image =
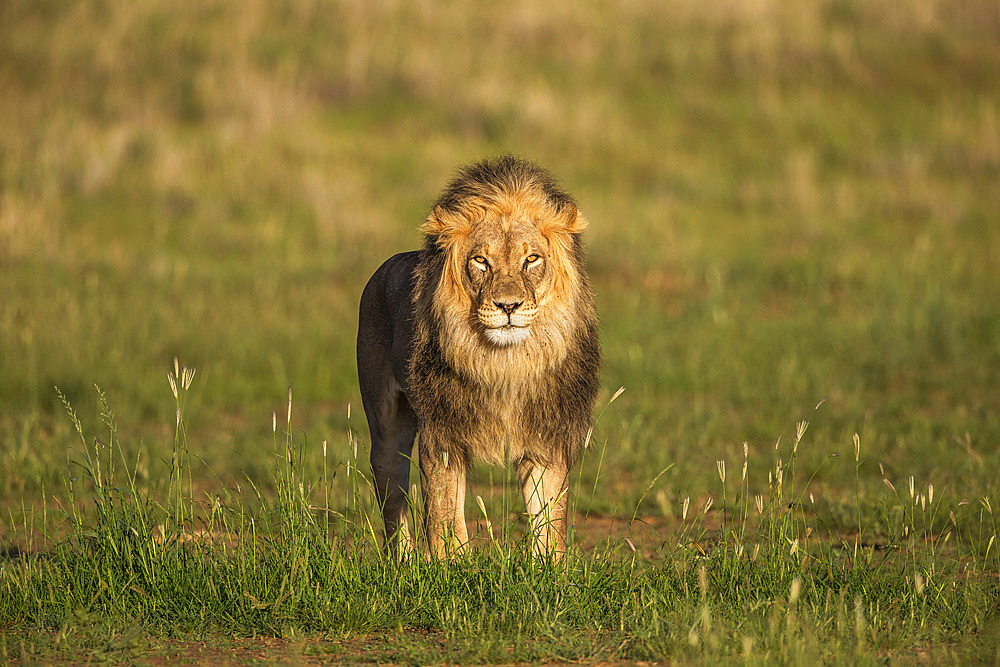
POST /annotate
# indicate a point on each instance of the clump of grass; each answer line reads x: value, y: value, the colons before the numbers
x: 750, y: 580
x: 898, y: 588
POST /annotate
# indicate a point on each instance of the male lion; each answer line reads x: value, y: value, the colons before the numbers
x: 485, y: 343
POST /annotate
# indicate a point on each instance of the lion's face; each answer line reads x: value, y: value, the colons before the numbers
x: 508, y: 294
x: 507, y: 276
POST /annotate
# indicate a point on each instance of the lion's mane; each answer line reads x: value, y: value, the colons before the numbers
x: 502, y: 402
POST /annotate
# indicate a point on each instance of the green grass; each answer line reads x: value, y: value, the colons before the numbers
x: 760, y: 582
x: 788, y: 204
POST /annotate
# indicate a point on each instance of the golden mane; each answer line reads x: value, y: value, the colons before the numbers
x: 522, y: 195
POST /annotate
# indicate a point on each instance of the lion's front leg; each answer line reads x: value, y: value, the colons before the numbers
x: 443, y: 482
x: 546, y: 491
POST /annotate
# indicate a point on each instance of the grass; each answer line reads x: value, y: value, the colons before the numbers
x: 788, y: 204
x: 756, y: 580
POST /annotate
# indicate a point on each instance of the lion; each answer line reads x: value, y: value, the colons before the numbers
x: 484, y: 343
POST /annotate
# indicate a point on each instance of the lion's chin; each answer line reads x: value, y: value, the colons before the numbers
x: 507, y: 335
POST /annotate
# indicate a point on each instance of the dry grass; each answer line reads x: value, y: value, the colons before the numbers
x: 283, y: 102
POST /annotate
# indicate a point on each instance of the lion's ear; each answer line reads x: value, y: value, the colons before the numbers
x: 446, y: 226
x: 568, y: 220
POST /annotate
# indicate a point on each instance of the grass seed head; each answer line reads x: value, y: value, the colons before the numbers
x: 796, y: 588
x: 800, y: 430
x: 857, y: 447
x: 482, y: 508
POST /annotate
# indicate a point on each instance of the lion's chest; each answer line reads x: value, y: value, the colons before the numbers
x: 504, y: 432
x: 494, y: 426
x: 490, y: 403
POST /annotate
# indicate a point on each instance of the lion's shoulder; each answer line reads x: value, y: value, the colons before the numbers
x: 390, y: 288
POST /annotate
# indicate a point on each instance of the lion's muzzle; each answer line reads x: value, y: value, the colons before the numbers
x: 507, y: 322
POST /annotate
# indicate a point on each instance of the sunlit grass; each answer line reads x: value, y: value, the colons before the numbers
x: 748, y: 579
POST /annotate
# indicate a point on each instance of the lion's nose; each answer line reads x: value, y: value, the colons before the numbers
x: 508, y: 306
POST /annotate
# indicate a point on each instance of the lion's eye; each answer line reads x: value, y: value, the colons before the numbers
x: 480, y: 262
x: 532, y: 259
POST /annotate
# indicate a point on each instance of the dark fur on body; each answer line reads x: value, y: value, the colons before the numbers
x: 536, y: 416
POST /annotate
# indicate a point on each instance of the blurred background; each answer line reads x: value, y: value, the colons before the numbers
x: 789, y: 203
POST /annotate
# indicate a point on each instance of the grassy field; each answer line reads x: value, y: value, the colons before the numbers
x: 794, y: 218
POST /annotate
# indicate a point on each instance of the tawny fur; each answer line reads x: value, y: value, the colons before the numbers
x: 485, y: 342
